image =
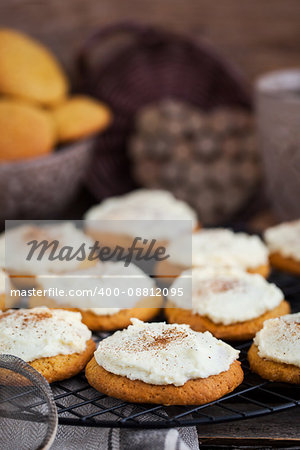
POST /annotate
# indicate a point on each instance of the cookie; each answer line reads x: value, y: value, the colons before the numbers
x: 48, y: 252
x: 235, y: 332
x: 112, y: 295
x: 156, y: 363
x: 283, y: 242
x: 80, y: 116
x: 275, y: 352
x: 29, y: 71
x: 148, y: 214
x: 67, y: 344
x: 193, y: 392
x: 62, y: 367
x: 218, y: 247
x: 272, y: 370
x: 26, y: 131
x: 167, y: 272
x: 230, y: 303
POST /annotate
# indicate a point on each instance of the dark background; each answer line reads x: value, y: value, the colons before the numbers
x: 257, y: 35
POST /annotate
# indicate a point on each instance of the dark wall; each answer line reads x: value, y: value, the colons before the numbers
x: 258, y: 35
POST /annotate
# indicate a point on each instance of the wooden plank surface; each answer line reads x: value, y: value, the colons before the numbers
x: 279, y: 429
x: 257, y: 35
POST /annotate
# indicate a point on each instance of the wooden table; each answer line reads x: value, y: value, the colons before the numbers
x: 280, y: 430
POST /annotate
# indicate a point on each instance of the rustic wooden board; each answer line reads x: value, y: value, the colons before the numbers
x: 257, y: 35
x: 279, y: 429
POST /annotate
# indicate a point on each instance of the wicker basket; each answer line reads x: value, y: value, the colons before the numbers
x: 140, y: 65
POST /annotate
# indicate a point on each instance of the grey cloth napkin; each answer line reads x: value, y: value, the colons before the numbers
x: 70, y: 438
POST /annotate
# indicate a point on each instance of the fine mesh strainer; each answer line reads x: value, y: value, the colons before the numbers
x: 28, y: 414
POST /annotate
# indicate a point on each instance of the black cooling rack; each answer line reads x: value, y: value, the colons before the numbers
x: 79, y: 404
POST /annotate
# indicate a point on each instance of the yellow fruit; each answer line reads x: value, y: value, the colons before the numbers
x: 29, y: 71
x: 26, y: 131
x: 80, y: 116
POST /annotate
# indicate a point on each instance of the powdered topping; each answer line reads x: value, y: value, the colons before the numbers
x: 36, y: 333
x: 161, y: 354
x: 219, y: 247
x: 17, y: 245
x: 279, y: 340
x: 284, y: 239
x: 225, y: 296
x: 103, y: 289
x: 127, y: 215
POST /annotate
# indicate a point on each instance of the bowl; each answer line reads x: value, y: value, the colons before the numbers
x: 42, y: 187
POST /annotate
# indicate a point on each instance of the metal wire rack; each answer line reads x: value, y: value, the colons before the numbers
x: 79, y: 404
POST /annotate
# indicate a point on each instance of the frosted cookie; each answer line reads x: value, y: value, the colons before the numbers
x: 29, y: 71
x: 58, y: 236
x: 283, y: 242
x: 230, y: 303
x: 215, y: 247
x: 275, y: 352
x: 146, y: 213
x: 112, y: 294
x: 168, y: 364
x: 80, y: 116
x: 26, y: 131
x: 55, y: 342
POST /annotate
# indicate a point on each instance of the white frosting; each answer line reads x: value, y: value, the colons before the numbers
x: 279, y: 339
x: 162, y: 354
x: 226, y: 296
x: 16, y: 240
x: 219, y: 247
x: 99, y: 287
x: 284, y: 239
x: 126, y: 215
x: 36, y: 333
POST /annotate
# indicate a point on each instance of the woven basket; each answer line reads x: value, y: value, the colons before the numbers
x: 140, y: 65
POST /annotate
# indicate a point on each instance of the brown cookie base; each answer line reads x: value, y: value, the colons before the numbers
x: 61, y: 367
x: 284, y: 263
x: 272, y: 370
x: 193, y: 392
x: 238, y: 331
x: 108, y: 322
x: 166, y: 272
